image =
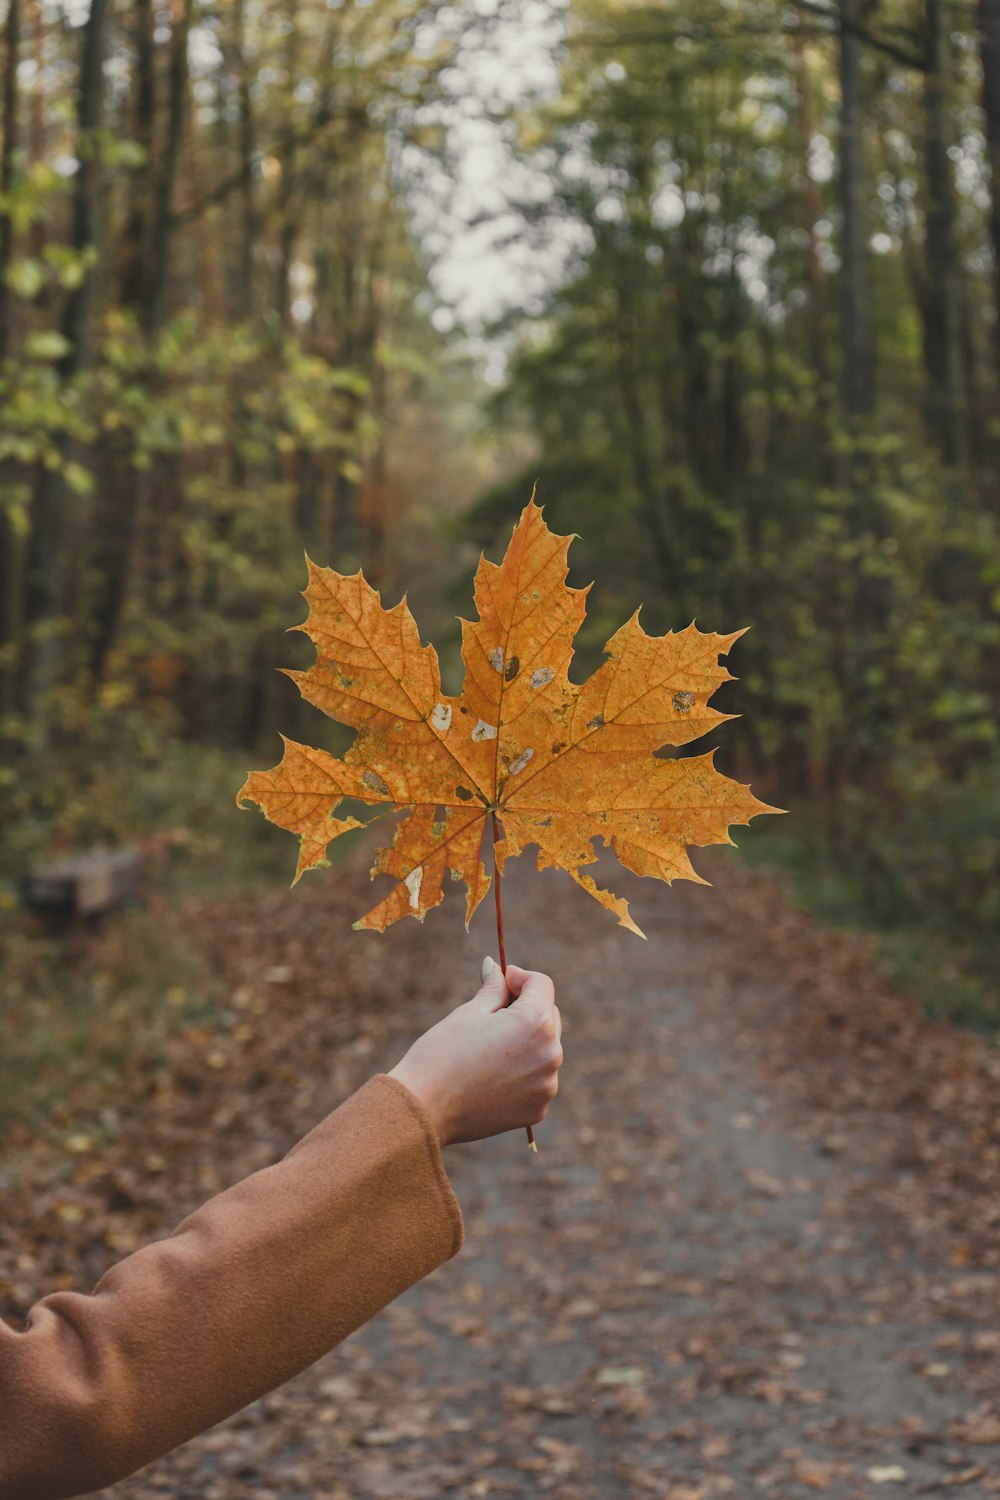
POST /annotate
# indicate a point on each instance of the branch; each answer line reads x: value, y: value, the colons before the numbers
x: 705, y: 32
x: 285, y: 144
x: 880, y: 44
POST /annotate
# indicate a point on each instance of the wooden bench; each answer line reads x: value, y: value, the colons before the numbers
x: 83, y: 885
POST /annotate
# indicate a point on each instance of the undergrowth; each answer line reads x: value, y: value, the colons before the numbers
x: 924, y: 947
x: 84, y: 1006
x: 81, y: 1001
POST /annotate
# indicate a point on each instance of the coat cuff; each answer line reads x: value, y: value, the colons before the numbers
x: 449, y: 1203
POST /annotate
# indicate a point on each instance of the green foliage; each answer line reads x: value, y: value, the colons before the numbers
x: 211, y: 315
x: 79, y: 1007
x: 926, y: 883
x: 680, y: 387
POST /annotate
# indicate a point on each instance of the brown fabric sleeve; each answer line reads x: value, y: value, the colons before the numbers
x: 247, y: 1291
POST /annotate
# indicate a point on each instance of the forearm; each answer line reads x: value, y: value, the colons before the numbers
x: 249, y: 1290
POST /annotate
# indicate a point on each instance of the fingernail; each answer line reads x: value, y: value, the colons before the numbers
x: 487, y: 969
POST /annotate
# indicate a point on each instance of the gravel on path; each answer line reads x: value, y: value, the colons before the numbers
x: 739, y: 1265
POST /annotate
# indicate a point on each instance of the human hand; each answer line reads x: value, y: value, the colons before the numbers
x: 490, y: 1065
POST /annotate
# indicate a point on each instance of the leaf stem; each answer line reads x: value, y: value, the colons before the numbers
x: 496, y: 892
x: 500, y: 943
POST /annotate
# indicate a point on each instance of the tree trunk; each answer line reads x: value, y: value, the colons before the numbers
x: 136, y: 235
x: 163, y: 209
x: 243, y: 298
x: 205, y: 251
x: 942, y: 305
x: 989, y: 51
x: 46, y: 564
x: 12, y: 52
x: 122, y: 485
x: 731, y: 453
x: 84, y: 232
x: 857, y: 330
x: 10, y: 549
x: 40, y: 232
x: 288, y: 197
x: 117, y: 525
x: 818, y: 312
x: 662, y: 530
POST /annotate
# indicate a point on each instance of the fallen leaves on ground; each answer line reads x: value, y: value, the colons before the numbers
x: 739, y: 1290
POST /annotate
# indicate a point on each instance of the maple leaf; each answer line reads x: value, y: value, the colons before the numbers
x: 557, y: 764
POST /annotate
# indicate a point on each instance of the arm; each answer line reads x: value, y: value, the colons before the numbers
x: 249, y: 1290
x: 268, y: 1276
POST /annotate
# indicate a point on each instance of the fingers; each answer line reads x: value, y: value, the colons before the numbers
x: 534, y: 992
x: 530, y: 987
x: 493, y: 993
x: 516, y: 979
x: 536, y: 1005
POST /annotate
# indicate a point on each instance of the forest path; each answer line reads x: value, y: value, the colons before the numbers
x: 742, y: 1263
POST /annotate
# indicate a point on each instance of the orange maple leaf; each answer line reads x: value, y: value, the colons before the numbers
x: 556, y: 763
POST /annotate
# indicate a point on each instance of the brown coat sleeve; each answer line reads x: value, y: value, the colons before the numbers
x: 249, y: 1290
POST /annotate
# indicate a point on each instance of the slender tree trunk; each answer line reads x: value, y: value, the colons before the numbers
x: 39, y: 232
x: 8, y: 156
x: 942, y: 306
x: 123, y: 486
x: 374, y: 489
x: 10, y: 548
x: 208, y: 267
x: 989, y: 50
x: 288, y: 197
x: 126, y: 486
x: 857, y: 323
x: 975, y: 430
x: 163, y: 209
x: 819, y: 308
x: 696, y: 413
x: 37, y: 22
x: 288, y: 236
x: 46, y: 564
x: 136, y: 235
x: 84, y: 232
x: 345, y: 522
x: 244, y: 299
x: 661, y: 529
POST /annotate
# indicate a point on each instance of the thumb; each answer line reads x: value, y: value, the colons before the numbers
x: 493, y: 995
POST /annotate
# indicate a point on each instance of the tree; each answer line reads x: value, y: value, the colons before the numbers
x: 942, y: 309
x: 988, y: 14
x: 198, y: 341
x: 44, y: 578
x: 717, y: 174
x: 857, y: 326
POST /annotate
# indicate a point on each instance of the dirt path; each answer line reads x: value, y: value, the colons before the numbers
x: 744, y: 1262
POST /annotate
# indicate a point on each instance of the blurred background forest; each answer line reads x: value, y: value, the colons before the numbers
x: 349, y: 277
